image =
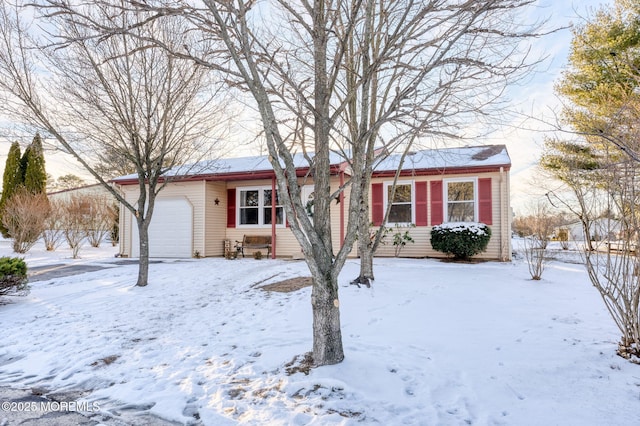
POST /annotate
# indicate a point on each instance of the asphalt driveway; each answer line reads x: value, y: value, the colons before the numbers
x: 48, y: 272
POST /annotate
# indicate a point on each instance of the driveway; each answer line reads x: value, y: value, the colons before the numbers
x: 48, y: 272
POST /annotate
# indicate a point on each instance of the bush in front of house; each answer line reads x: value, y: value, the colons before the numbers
x: 462, y: 240
x: 13, y: 276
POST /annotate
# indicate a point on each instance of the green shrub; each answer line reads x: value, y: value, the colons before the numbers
x: 401, y: 239
x: 462, y: 240
x: 13, y: 276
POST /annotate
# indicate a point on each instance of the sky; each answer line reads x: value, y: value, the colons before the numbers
x: 523, y: 135
x: 524, y: 139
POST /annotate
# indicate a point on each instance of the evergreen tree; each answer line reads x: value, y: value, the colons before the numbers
x: 12, y: 180
x: 24, y: 160
x: 35, y: 176
x: 602, y: 81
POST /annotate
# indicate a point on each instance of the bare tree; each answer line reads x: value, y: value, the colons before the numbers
x: 102, y: 218
x: 305, y: 72
x: 578, y: 166
x: 76, y: 221
x: 52, y: 234
x: 326, y: 64
x: 118, y: 99
x: 540, y: 223
x: 25, y: 215
x: 535, y: 253
x: 69, y: 181
x: 417, y: 73
x: 615, y: 273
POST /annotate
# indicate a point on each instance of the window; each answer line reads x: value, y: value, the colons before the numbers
x: 401, y: 204
x: 461, y: 205
x: 255, y: 207
x: 249, y: 207
x: 268, y: 199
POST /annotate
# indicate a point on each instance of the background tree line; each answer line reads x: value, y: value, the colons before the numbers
x: 27, y: 214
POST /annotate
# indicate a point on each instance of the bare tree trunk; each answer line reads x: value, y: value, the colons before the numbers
x: 327, y: 336
x: 365, y: 244
x: 365, y: 252
x: 143, y: 265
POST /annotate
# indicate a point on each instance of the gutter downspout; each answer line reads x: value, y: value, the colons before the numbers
x: 505, y: 252
x: 341, y: 198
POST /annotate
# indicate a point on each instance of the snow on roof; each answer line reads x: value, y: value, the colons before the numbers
x: 478, y: 156
x: 259, y: 163
x: 448, y: 158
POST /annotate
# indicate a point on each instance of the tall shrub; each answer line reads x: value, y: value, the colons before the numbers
x: 52, y: 234
x: 535, y: 252
x: 24, y: 217
x: 76, y: 220
x: 35, y: 176
x: 12, y: 179
x: 102, y: 218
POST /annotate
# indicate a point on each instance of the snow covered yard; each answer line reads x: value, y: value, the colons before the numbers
x: 432, y: 343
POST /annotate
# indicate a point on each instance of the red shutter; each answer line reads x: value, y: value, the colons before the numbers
x: 421, y: 204
x: 377, y: 203
x: 231, y: 208
x: 436, y: 202
x: 485, y: 214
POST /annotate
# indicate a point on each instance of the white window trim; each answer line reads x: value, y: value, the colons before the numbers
x: 385, y: 198
x: 261, y: 207
x: 445, y: 196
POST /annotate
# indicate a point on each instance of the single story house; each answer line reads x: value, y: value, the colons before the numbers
x: 229, y: 198
x: 599, y: 229
x: 93, y: 190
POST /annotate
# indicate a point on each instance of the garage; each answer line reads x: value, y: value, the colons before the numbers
x: 170, y: 231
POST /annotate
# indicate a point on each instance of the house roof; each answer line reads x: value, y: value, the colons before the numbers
x: 77, y: 188
x: 255, y: 167
x: 433, y: 161
x: 448, y: 159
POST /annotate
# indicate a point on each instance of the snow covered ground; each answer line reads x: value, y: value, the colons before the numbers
x: 431, y: 343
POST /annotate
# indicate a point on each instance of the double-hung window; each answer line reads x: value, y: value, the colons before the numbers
x: 461, y: 201
x: 255, y: 207
x: 401, y: 201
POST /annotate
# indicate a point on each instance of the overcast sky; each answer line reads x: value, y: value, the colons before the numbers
x: 536, y: 99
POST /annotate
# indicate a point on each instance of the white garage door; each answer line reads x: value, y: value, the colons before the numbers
x: 170, y: 231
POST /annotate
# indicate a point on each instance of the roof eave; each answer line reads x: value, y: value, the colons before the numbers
x: 445, y: 170
x: 230, y: 176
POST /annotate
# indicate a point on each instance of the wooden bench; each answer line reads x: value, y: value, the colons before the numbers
x: 254, y: 242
